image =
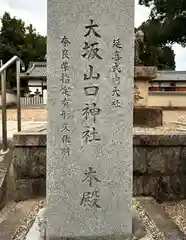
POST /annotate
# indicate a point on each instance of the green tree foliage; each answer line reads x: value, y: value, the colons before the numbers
x: 18, y: 39
x: 170, y: 16
x: 156, y: 53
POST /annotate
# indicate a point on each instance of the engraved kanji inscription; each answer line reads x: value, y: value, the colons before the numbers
x: 90, y: 135
x: 63, y: 114
x: 65, y: 41
x: 65, y: 94
x: 116, y: 43
x: 90, y: 199
x: 91, y: 110
x: 65, y: 54
x: 66, y: 151
x: 90, y: 176
x: 116, y: 79
x: 66, y: 115
x: 65, y: 78
x: 65, y: 102
x: 116, y: 103
x: 65, y: 129
x: 65, y: 66
x: 116, y: 56
x: 116, y: 72
x: 91, y: 28
x: 65, y: 137
x: 91, y: 51
x: 137, y: 95
x: 65, y: 90
x: 91, y: 74
x: 116, y: 67
x: 91, y: 90
x: 116, y: 92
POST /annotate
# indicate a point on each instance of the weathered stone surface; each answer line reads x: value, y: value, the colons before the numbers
x: 30, y: 188
x: 38, y: 229
x: 141, y: 93
x: 142, y: 76
x: 139, y: 160
x: 29, y: 162
x: 30, y: 139
x: 178, y: 186
x: 159, y: 139
x: 145, y: 72
x: 138, y: 139
x: 29, y: 165
x: 147, y: 117
x: 164, y: 188
x: 100, y: 209
x: 138, y: 185
x: 150, y: 185
x: 162, y: 160
x: 183, y: 159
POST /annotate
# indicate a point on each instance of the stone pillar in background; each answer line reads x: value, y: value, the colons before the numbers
x: 144, y: 115
x: 90, y: 93
x: 143, y: 75
x: 44, y: 96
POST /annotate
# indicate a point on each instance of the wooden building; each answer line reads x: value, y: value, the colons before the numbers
x: 166, y: 81
x: 35, y: 77
x: 169, y: 81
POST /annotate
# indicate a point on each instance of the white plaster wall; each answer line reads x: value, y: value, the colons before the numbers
x: 11, y: 98
x: 167, y: 100
x: 33, y: 89
x: 45, y: 96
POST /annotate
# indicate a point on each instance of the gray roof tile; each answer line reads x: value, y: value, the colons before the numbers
x: 37, y: 69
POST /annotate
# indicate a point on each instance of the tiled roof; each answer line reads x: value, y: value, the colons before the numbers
x: 168, y: 75
x: 37, y: 69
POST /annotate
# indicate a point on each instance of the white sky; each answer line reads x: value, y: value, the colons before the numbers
x: 35, y: 12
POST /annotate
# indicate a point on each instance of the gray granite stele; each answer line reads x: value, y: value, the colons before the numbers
x: 149, y: 222
x: 38, y: 229
x: 89, y: 144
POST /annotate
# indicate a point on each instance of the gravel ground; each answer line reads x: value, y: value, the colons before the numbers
x: 28, y: 221
x: 40, y: 114
x: 177, y: 211
x: 34, y: 114
x: 152, y: 231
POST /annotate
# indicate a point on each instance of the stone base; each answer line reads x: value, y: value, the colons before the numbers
x: 156, y: 221
x: 30, y: 188
x: 38, y: 230
x: 29, y: 165
x: 147, y: 117
x: 93, y: 238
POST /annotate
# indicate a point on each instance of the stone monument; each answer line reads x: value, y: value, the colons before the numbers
x: 144, y: 116
x: 90, y: 110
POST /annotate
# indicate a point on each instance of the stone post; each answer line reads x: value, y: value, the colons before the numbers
x: 90, y: 109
